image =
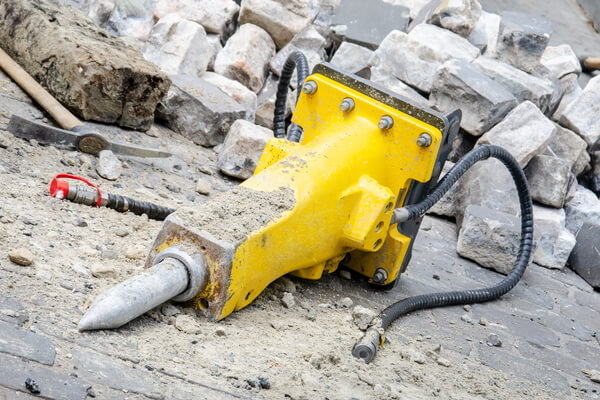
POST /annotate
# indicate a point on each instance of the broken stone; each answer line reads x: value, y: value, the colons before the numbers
x: 102, y: 270
x: 188, y: 324
x: 592, y: 374
x: 216, y: 16
x: 584, y: 259
x: 199, y: 110
x: 21, y: 256
x: 266, y: 103
x: 583, y: 207
x: 362, y: 317
x: 493, y: 340
x: 389, y: 82
x: 569, y: 85
x: 275, y: 18
x: 94, y: 74
x: 109, y: 166
x: 569, y: 146
x: 484, y: 102
x: 308, y: 41
x: 448, y: 205
x: 245, y: 56
x: 242, y: 149
x: 123, y: 17
x: 134, y: 253
x: 459, y: 16
x: 423, y: 50
x: 521, y: 84
x: 178, y: 46
x: 443, y: 362
x: 345, y: 302
x: 462, y: 144
x: 240, y: 93
x: 203, y: 187
x: 412, y: 354
x: 581, y: 115
x: 553, y: 242
x: 368, y: 22
x: 485, y: 34
x: 523, y: 39
x: 288, y: 300
x: 351, y: 57
x: 524, y: 132
x: 490, y: 238
x: 561, y: 61
x: 549, y: 179
x: 214, y: 42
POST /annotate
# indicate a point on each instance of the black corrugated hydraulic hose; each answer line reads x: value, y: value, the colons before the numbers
x: 367, y: 347
x: 297, y: 61
x: 126, y: 204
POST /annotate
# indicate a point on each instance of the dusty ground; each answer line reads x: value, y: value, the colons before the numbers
x: 548, y: 324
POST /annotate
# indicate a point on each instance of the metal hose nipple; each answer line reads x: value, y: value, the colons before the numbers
x: 366, y: 347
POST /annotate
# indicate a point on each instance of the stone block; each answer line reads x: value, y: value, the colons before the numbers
x: 484, y: 102
x: 53, y: 384
x: 216, y: 16
x: 23, y: 343
x: 521, y: 84
x: 214, y: 41
x: 351, y: 57
x: 581, y: 115
x: 485, y: 34
x: 584, y: 258
x: 524, y: 132
x: 448, y: 205
x: 94, y: 74
x: 389, y: 82
x: 266, y: 103
x: 275, y: 18
x: 245, y: 57
x: 569, y: 146
x: 308, y: 41
x: 368, y: 22
x: 561, y: 61
x: 458, y: 16
x: 240, y: 93
x: 553, y: 242
x: 523, y: 38
x: 242, y: 149
x: 549, y: 179
x: 178, y: 46
x: 569, y: 85
x: 199, y: 110
x: 583, y: 207
x: 123, y: 17
x: 425, y: 49
x: 490, y: 238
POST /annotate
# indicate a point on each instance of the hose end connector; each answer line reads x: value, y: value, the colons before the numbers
x: 400, y: 215
x: 366, y: 347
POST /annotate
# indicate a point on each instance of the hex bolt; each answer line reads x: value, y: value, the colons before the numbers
x: 380, y: 275
x: 386, y: 122
x: 347, y: 105
x: 424, y: 140
x: 310, y: 87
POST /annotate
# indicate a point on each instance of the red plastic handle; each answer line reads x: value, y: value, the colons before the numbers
x: 62, y: 186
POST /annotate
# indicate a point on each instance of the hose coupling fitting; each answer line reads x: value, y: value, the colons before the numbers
x: 400, y: 215
x: 366, y: 347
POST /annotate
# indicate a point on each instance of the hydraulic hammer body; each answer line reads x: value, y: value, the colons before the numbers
x: 312, y: 205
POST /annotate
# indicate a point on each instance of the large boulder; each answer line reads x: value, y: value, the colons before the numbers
x: 581, y: 115
x: 242, y: 149
x: 94, y: 74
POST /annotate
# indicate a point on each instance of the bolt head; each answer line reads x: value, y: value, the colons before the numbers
x: 310, y: 87
x: 347, y: 105
x: 424, y: 140
x: 386, y: 122
x: 380, y: 275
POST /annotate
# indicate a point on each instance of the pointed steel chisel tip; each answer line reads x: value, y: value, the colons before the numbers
x: 137, y: 295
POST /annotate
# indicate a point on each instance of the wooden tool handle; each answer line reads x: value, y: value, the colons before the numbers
x: 591, y: 63
x: 60, y: 114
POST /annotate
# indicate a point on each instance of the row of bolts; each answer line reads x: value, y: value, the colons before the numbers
x: 386, y: 122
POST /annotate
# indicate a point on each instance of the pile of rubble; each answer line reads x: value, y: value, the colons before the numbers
x: 224, y: 57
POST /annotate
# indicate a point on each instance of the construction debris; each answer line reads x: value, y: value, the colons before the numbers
x: 114, y: 83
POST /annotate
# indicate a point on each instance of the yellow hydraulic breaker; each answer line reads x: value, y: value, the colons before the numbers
x: 310, y: 206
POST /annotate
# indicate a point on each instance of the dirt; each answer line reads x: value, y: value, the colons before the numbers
x: 231, y: 216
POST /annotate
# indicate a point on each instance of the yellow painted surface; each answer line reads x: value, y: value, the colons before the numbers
x: 346, y: 177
